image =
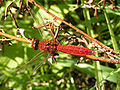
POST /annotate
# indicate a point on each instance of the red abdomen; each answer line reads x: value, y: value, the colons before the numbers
x: 75, y: 50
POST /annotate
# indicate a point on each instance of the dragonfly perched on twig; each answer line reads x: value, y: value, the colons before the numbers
x: 52, y: 46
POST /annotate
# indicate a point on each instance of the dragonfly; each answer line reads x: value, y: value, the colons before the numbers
x: 51, y: 47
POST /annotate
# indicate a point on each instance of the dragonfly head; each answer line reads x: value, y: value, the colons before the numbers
x: 34, y: 44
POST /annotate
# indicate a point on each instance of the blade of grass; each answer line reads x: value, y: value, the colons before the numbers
x: 114, y: 42
x: 115, y: 46
x: 98, y: 74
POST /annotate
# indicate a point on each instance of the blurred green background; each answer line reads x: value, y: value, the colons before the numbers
x: 66, y: 74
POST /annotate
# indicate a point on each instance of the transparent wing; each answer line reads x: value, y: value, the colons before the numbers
x: 32, y: 62
x: 38, y: 19
x: 40, y: 63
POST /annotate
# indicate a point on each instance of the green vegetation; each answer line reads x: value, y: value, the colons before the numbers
x: 66, y: 74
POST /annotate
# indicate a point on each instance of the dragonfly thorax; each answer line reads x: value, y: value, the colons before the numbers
x: 48, y: 47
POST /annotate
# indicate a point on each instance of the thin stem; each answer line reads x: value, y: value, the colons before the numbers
x: 87, y: 56
x: 115, y: 46
x: 98, y: 74
x: 114, y: 42
x: 16, y: 25
x: 102, y: 59
x: 14, y: 37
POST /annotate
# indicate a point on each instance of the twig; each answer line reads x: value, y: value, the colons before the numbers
x: 14, y: 37
x: 87, y: 56
x: 16, y: 25
x: 103, y: 59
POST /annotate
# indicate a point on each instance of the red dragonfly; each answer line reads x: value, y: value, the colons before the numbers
x: 51, y: 48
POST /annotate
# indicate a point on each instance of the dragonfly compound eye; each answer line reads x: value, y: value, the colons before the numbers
x: 34, y: 44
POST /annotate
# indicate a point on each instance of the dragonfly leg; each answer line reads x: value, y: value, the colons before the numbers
x: 54, y: 59
x: 79, y: 61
